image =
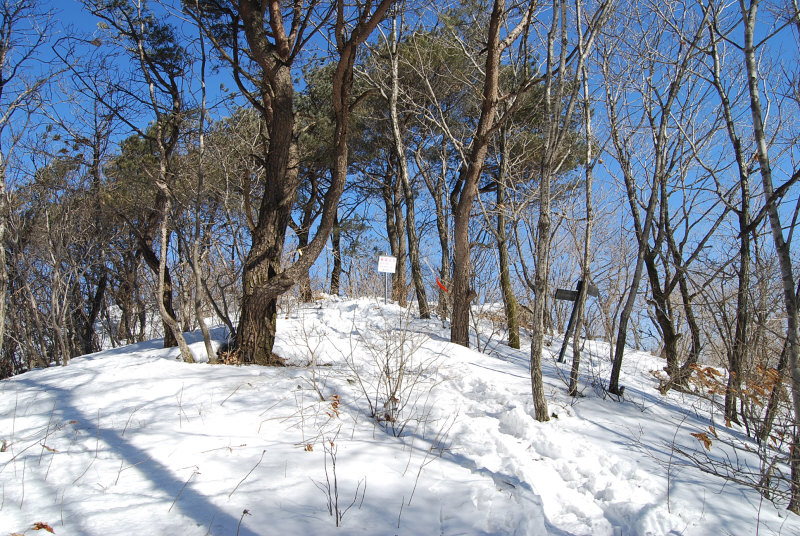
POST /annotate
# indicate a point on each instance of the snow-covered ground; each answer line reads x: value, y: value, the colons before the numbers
x: 131, y: 441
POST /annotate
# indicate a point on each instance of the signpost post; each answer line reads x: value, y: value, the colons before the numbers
x: 572, y: 295
x: 386, y: 265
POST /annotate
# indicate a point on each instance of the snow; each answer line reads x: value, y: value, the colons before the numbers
x: 132, y: 441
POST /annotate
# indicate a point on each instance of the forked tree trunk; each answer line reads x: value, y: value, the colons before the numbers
x: 274, y: 49
x: 255, y: 337
x: 258, y: 324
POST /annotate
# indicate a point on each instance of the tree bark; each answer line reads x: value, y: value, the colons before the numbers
x: 153, y: 262
x: 3, y: 265
x: 336, y: 245
x: 466, y: 188
x: 274, y: 50
x: 580, y: 305
x: 408, y: 194
x: 506, y: 289
x: 258, y: 322
x: 782, y: 247
x: 397, y: 245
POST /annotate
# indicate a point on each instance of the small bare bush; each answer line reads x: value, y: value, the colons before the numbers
x: 397, y: 378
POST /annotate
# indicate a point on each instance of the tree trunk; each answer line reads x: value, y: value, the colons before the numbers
x: 336, y: 245
x: 3, y: 265
x: 773, y: 405
x: 540, y: 290
x: 460, y: 291
x: 408, y: 194
x: 399, y: 282
x: 274, y: 50
x: 306, y: 294
x: 782, y: 248
x: 87, y: 332
x: 580, y: 305
x: 397, y: 245
x: 436, y: 187
x: 737, y: 355
x: 509, y: 300
x: 200, y: 287
x: 257, y: 326
x: 466, y: 188
x: 303, y: 232
x: 663, y: 315
x: 153, y: 262
x: 170, y: 321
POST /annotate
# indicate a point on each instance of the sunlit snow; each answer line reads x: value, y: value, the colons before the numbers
x: 132, y: 441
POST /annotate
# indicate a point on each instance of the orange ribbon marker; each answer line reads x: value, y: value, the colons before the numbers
x: 440, y: 285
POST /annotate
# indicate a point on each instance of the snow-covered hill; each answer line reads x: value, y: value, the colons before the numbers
x: 131, y: 441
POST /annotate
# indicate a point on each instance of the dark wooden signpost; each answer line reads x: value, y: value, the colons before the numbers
x: 572, y: 295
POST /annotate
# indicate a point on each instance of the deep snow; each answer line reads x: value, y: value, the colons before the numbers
x: 131, y: 441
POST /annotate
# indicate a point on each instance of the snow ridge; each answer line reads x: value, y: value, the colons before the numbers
x: 442, y: 441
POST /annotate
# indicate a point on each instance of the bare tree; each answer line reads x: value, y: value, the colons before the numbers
x: 561, y: 97
x: 391, y: 94
x: 667, y: 145
x: 24, y: 30
x: 750, y: 49
x: 586, y: 257
x: 161, y: 62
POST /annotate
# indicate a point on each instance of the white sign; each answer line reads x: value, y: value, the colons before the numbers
x: 387, y: 264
